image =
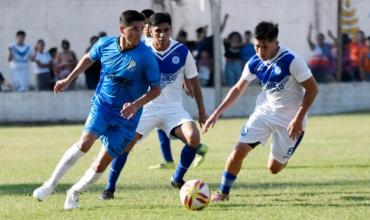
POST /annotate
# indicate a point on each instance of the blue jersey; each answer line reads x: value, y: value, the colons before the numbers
x: 125, y: 75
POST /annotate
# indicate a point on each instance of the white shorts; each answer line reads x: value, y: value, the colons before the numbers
x: 259, y: 128
x: 165, y: 118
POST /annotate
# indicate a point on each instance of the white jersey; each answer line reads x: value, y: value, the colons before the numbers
x: 21, y: 56
x: 43, y: 58
x: 281, y: 94
x: 175, y: 63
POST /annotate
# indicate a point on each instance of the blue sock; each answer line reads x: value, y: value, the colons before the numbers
x: 165, y: 146
x: 227, y: 182
x: 115, y: 169
x: 187, y: 157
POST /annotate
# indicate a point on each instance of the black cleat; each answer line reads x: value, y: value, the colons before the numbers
x: 107, y: 194
x: 177, y: 185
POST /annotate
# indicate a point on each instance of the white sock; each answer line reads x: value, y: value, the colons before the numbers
x: 69, y: 158
x: 87, y: 180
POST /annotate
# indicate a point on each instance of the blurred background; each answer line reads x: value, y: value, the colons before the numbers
x: 331, y: 35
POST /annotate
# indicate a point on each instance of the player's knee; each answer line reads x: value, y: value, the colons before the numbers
x: 194, y: 139
x: 85, y: 145
x: 98, y: 167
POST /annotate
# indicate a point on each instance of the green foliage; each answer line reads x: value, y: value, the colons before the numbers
x: 327, y: 178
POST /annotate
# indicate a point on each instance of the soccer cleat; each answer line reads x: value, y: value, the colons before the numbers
x: 107, y: 194
x: 219, y: 197
x: 201, y: 154
x: 42, y: 192
x: 71, y: 200
x: 165, y: 165
x: 177, y: 185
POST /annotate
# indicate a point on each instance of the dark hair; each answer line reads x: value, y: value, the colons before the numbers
x: 247, y: 33
x: 147, y: 13
x: 200, y: 30
x: 159, y: 18
x: 93, y: 39
x: 266, y: 31
x: 53, y: 51
x: 182, y: 33
x: 21, y: 33
x: 41, y: 41
x: 66, y: 43
x: 235, y: 33
x: 129, y: 16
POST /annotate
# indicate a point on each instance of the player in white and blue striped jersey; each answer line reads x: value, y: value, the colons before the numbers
x: 281, y: 108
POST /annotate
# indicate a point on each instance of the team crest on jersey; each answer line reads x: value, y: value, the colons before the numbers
x: 175, y: 60
x: 244, y: 131
x: 132, y: 66
x: 277, y: 70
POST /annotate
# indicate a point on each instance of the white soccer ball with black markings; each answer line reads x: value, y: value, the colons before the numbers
x: 195, y: 195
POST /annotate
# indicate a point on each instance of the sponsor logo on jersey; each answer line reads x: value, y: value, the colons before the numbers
x: 167, y: 79
x: 272, y: 87
x: 121, y: 81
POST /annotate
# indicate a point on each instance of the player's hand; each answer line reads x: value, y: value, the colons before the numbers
x: 128, y: 110
x: 202, y: 118
x: 295, y: 128
x: 60, y: 85
x: 211, y: 121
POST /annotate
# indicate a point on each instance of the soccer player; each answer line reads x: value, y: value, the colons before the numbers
x: 288, y: 92
x: 167, y: 112
x: 129, y: 69
x: 164, y: 141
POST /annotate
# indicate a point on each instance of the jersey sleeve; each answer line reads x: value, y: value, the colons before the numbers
x: 247, y: 75
x: 95, y: 51
x: 190, y: 68
x: 151, y: 70
x: 299, y: 69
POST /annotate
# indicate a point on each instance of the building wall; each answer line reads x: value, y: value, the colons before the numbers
x: 75, y: 105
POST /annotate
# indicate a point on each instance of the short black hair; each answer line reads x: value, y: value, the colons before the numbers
x: 21, y: 33
x: 147, y: 13
x: 129, y: 16
x: 200, y: 30
x: 247, y: 33
x: 159, y: 18
x: 266, y: 31
x: 40, y: 41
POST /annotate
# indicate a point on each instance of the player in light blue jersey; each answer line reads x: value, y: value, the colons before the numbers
x: 288, y: 92
x: 167, y: 112
x: 129, y: 69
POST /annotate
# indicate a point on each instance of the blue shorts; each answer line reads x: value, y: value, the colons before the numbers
x: 114, y: 132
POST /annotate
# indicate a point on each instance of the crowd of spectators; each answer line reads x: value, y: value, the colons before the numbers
x: 51, y: 65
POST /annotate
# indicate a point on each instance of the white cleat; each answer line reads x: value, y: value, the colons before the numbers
x: 71, y: 200
x: 42, y: 192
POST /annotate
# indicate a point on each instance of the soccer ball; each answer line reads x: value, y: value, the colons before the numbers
x: 195, y: 195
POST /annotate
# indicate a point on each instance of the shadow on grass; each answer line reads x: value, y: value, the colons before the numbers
x: 27, y: 188
x: 330, y: 166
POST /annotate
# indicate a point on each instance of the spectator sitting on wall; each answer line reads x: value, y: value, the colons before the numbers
x: 365, y: 61
x: 321, y: 61
x: 66, y: 61
x: 92, y: 74
x: 182, y: 37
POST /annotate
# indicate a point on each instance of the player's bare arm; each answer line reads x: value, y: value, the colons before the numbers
x: 84, y: 63
x: 235, y: 92
x: 198, y: 99
x: 295, y: 126
x: 129, y: 109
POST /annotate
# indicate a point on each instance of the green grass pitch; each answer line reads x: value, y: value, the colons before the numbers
x: 327, y: 178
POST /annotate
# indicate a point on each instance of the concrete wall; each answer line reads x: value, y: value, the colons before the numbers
x: 75, y: 106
